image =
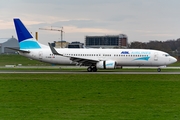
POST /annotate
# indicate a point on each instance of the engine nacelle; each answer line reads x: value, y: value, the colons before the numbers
x: 110, y: 64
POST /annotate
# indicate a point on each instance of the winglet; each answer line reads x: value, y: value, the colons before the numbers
x: 53, y: 50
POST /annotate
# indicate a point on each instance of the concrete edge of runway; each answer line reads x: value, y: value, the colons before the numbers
x: 74, y: 72
x: 84, y: 72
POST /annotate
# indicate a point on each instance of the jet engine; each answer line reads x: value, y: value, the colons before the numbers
x: 109, y: 64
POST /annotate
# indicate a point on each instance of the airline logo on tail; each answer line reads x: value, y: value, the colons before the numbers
x: 26, y: 40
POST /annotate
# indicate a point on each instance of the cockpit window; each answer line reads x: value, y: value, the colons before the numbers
x: 167, y: 55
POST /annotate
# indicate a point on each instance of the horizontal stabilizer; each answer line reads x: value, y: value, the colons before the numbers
x: 23, y: 51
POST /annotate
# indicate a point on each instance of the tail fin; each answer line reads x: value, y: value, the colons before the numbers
x: 26, y: 40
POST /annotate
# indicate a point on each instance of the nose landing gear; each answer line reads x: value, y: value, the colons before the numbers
x: 159, y: 69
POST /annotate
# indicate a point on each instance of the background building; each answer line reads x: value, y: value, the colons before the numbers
x: 75, y: 45
x: 60, y: 44
x: 12, y: 42
x: 64, y: 44
x: 107, y: 41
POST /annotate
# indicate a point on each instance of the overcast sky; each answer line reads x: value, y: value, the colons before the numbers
x: 140, y: 20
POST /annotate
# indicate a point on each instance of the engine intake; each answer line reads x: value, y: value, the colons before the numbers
x: 110, y: 64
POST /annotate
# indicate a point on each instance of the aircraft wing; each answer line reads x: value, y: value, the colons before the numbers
x: 23, y: 51
x: 83, y: 61
x: 80, y: 60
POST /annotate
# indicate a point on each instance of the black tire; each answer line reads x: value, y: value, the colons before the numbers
x: 89, y: 69
x: 94, y: 69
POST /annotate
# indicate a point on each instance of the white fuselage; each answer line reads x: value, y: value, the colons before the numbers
x: 122, y: 57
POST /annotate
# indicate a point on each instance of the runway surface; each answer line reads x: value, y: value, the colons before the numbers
x: 74, y: 72
x: 77, y: 70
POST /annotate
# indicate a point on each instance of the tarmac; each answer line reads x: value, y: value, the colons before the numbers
x: 84, y: 72
x: 14, y: 72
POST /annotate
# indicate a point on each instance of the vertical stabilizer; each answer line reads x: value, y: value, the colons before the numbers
x: 26, y: 40
x: 21, y: 30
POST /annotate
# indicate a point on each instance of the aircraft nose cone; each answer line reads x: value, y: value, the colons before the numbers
x: 173, y: 60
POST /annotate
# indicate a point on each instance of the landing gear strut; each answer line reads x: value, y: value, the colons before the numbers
x: 92, y: 69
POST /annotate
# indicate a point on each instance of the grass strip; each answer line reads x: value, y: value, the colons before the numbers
x: 89, y: 96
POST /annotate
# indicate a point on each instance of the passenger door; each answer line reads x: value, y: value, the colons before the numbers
x: 155, y: 56
x: 40, y: 55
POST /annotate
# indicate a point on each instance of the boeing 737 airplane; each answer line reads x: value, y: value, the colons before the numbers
x: 93, y: 58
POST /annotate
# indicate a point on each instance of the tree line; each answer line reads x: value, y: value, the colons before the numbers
x: 170, y: 46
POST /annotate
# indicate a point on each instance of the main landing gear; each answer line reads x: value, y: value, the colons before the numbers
x: 92, y: 69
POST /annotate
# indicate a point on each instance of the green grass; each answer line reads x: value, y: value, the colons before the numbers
x: 176, y: 64
x: 18, y: 59
x: 89, y: 96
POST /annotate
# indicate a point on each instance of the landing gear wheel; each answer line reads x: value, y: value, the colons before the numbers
x: 89, y: 69
x: 159, y: 69
x: 94, y: 69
